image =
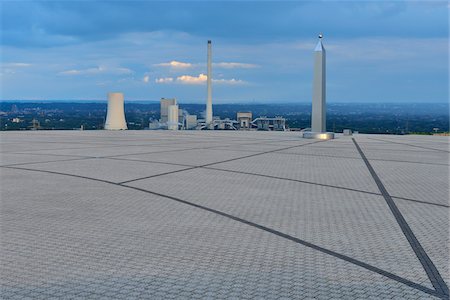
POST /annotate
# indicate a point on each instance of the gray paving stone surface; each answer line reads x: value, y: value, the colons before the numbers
x: 239, y: 215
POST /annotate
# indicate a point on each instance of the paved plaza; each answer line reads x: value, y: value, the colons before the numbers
x: 221, y: 214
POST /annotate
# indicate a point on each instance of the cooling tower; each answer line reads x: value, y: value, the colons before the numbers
x: 115, y: 118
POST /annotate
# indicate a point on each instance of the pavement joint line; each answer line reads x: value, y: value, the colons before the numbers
x: 432, y: 272
x: 411, y: 145
x: 218, y: 148
x: 223, y: 161
x: 43, y: 162
x: 108, y: 156
x: 420, y: 201
x: 99, y: 146
x: 174, y: 150
x: 189, y: 167
x: 358, y: 158
x: 282, y: 178
x: 266, y: 229
x: 113, y: 144
x: 384, y: 149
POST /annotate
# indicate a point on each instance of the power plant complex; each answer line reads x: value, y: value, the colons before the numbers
x: 172, y: 117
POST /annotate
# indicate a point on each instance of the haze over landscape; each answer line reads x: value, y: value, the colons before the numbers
x: 262, y: 51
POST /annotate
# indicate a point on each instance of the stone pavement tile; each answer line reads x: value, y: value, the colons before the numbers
x: 101, y: 151
x: 107, y: 169
x: 432, y: 142
x: 30, y: 147
x: 431, y: 226
x: 416, y: 181
x: 323, y: 151
x: 402, y: 153
x: 190, y: 157
x: 12, y: 159
x: 90, y: 239
x: 408, y: 156
x: 355, y: 224
x: 342, y: 172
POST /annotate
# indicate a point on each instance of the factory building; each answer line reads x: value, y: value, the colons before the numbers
x: 276, y: 124
x: 172, y: 122
x: 165, y: 103
x: 190, y: 122
x: 244, y: 120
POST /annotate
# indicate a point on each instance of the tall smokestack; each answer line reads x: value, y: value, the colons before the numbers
x: 115, y: 118
x: 209, y: 112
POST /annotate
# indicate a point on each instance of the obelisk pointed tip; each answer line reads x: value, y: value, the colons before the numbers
x: 319, y: 46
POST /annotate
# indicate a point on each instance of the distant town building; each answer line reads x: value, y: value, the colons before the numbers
x: 35, y: 124
x: 244, y: 120
x: 165, y: 103
x: 16, y: 120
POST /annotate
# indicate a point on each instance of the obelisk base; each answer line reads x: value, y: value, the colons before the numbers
x: 318, y: 135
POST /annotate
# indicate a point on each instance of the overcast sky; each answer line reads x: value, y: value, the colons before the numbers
x: 381, y: 51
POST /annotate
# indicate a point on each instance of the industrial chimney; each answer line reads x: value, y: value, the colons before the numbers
x: 115, y: 118
x: 209, y: 112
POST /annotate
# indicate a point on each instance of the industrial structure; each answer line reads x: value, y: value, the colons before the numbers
x: 209, y: 110
x: 272, y: 124
x: 172, y: 122
x: 164, y: 111
x: 115, y: 118
x: 244, y: 119
x: 175, y: 118
x: 190, y: 122
x: 318, y: 116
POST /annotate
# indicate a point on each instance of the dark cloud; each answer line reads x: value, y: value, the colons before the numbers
x: 50, y: 23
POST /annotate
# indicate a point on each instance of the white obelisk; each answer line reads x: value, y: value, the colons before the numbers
x: 318, y: 119
x: 115, y: 118
x: 319, y: 107
x: 209, y: 112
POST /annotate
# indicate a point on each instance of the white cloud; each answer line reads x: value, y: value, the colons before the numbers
x: 164, y: 80
x: 97, y: 70
x: 187, y: 79
x: 234, y: 65
x: 146, y: 79
x: 201, y: 79
x: 175, y: 64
